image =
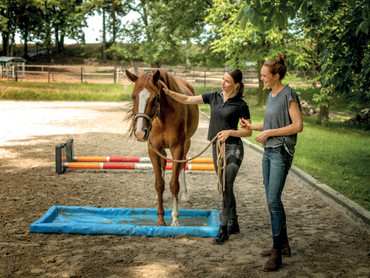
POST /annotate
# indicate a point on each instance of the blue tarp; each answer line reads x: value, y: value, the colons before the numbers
x: 125, y: 221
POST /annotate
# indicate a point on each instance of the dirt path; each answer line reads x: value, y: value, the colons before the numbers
x: 324, y: 241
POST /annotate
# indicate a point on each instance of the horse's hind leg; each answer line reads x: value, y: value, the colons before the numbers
x: 163, y: 164
x: 184, y: 189
x: 184, y: 196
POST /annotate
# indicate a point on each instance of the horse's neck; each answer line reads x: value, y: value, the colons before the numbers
x: 169, y: 108
x: 170, y: 103
x: 177, y: 88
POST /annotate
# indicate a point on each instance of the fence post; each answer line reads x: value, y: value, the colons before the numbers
x: 115, y: 75
x: 205, y: 79
x: 16, y: 72
x: 82, y: 76
x: 48, y: 74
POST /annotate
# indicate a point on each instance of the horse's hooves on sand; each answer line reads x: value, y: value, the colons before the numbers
x: 175, y: 224
x: 160, y: 223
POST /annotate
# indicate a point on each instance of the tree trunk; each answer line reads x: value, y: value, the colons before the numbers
x: 61, y: 43
x: 12, y: 45
x: 104, y: 49
x: 12, y: 48
x: 323, y: 117
x: 262, y: 93
x: 25, y: 47
x: 48, y: 43
x: 57, y: 39
x: 114, y: 22
x: 5, y: 51
x: 6, y: 35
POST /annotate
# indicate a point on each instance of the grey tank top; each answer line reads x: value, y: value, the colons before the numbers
x: 277, y: 116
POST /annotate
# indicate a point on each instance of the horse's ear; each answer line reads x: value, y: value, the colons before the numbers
x: 131, y: 76
x: 156, y: 76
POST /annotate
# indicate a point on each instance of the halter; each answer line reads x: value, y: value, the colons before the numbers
x: 145, y: 116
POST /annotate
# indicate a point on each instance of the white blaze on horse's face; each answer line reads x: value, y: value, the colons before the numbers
x: 140, y: 132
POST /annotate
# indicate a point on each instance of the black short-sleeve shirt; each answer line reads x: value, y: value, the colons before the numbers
x: 225, y: 115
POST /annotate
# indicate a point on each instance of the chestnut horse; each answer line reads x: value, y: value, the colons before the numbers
x: 163, y: 123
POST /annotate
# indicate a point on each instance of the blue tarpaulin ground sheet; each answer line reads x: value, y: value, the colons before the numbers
x: 125, y: 221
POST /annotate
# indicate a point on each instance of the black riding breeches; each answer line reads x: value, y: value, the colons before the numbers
x: 234, y: 156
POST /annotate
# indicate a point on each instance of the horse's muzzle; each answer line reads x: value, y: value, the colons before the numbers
x: 141, y: 130
x: 142, y: 134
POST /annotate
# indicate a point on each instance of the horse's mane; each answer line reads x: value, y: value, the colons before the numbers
x: 170, y: 81
x: 146, y: 81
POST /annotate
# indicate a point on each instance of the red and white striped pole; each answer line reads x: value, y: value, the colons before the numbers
x: 133, y: 166
x: 131, y: 159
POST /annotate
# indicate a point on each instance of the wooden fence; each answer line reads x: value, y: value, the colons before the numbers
x: 95, y: 74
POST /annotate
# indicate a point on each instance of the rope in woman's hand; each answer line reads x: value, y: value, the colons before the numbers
x: 221, y: 164
x: 221, y: 160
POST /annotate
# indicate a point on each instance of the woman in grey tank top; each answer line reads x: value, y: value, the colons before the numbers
x: 282, y: 122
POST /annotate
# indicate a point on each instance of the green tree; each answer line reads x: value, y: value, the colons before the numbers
x: 111, y: 11
x: 340, y: 31
x: 68, y: 19
x: 166, y: 28
x: 38, y: 20
x: 10, y: 11
x: 251, y: 41
x: 27, y: 25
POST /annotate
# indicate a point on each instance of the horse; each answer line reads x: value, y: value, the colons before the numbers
x: 163, y: 123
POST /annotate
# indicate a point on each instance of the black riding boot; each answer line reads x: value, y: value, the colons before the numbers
x: 222, y: 236
x: 233, y: 227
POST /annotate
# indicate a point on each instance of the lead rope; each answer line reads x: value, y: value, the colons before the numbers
x: 221, y: 164
x: 221, y: 160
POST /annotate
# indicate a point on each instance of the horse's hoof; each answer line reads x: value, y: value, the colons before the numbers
x: 160, y: 223
x: 175, y: 224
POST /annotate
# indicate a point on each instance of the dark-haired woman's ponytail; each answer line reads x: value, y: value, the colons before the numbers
x: 240, y: 91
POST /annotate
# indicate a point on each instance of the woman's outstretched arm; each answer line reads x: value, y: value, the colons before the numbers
x: 181, y: 98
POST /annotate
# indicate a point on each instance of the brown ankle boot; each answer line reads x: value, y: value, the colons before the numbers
x: 274, y: 262
x: 286, y: 251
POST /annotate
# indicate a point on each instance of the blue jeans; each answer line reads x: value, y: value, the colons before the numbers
x: 276, y: 163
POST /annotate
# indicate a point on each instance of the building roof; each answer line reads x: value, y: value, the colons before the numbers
x: 5, y: 59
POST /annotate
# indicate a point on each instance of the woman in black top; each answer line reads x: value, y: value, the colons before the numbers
x: 227, y: 108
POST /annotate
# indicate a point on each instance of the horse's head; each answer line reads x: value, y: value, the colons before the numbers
x: 146, y: 103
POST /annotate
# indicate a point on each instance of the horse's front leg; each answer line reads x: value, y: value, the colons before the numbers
x: 159, y: 186
x: 178, y: 154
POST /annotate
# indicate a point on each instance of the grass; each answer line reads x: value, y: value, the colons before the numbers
x: 336, y: 154
x: 63, y: 91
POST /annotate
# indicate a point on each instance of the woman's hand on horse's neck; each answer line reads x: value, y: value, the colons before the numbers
x: 181, y: 98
